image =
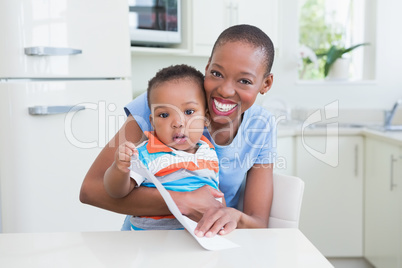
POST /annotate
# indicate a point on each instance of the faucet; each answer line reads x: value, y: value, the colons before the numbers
x: 389, y: 115
x: 280, y: 108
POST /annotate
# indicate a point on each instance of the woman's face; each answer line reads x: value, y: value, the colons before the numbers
x: 234, y: 76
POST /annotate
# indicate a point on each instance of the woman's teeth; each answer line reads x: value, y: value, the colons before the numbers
x: 224, y: 107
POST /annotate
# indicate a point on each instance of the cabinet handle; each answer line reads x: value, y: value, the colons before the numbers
x: 228, y: 14
x: 51, y: 51
x: 48, y: 110
x: 356, y: 160
x: 392, y: 184
x: 235, y: 14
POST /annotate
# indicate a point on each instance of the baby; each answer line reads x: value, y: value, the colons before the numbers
x: 176, y: 152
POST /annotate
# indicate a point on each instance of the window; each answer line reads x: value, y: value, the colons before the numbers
x: 341, y: 24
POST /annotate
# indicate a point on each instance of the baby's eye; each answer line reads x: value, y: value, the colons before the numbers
x: 215, y: 73
x: 163, y: 115
x: 188, y: 112
x: 245, y: 81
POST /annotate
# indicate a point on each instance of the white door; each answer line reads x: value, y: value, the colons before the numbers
x: 59, y: 38
x: 383, y: 196
x: 44, y: 157
x: 332, y: 212
x: 210, y: 18
x: 263, y: 14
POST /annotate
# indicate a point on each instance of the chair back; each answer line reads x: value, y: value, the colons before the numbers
x: 286, y: 203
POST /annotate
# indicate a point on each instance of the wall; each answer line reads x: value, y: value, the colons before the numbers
x: 144, y: 67
x: 379, y: 94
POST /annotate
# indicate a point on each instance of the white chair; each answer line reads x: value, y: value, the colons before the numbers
x: 286, y: 203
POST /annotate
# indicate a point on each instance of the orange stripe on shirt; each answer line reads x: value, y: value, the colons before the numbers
x: 202, y: 164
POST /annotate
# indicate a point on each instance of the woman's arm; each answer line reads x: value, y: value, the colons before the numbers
x: 257, y: 206
x: 141, y: 200
x: 258, y: 196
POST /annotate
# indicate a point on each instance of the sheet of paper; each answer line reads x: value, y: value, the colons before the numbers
x: 210, y: 243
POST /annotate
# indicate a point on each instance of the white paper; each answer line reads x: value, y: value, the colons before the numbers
x: 211, y: 243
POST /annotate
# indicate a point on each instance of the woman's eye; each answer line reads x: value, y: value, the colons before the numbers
x: 163, y: 115
x: 215, y: 73
x: 245, y: 81
x: 188, y: 112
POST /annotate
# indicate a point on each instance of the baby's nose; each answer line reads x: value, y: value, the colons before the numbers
x: 177, y: 122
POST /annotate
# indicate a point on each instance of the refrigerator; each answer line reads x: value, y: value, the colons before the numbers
x: 65, y: 68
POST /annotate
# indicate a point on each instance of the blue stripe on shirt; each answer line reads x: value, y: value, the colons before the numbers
x: 186, y: 184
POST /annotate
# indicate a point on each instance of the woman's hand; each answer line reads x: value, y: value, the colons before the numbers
x: 257, y: 205
x: 194, y: 204
x: 218, y: 221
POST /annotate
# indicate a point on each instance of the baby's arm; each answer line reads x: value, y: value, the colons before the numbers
x: 117, y: 179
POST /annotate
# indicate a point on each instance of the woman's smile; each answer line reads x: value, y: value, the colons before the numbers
x: 223, y: 107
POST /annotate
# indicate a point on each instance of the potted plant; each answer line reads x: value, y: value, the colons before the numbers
x: 335, y: 65
x: 307, y: 57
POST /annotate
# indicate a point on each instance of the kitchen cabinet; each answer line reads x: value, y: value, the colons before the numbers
x: 210, y: 18
x: 332, y: 211
x: 284, y: 163
x: 383, y: 209
x: 64, y: 80
x: 204, y: 20
x: 56, y: 39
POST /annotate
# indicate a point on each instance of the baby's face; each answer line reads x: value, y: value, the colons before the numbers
x: 178, y: 113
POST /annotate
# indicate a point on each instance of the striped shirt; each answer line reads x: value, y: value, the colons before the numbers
x: 177, y: 171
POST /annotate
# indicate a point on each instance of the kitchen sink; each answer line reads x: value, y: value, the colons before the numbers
x: 393, y: 128
x: 387, y: 128
x: 341, y: 125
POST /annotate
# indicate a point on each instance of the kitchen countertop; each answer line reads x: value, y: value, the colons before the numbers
x: 296, y: 129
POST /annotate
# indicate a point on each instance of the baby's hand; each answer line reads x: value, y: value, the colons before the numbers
x: 123, y: 156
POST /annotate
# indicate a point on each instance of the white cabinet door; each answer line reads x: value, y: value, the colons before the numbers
x: 263, y: 14
x: 210, y: 18
x: 284, y: 163
x: 44, y: 157
x: 383, y: 196
x: 332, y: 211
x: 37, y: 38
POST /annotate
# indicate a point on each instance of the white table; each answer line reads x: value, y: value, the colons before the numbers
x: 258, y: 248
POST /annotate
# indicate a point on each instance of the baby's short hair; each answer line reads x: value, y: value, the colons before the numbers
x: 175, y: 72
x: 251, y: 35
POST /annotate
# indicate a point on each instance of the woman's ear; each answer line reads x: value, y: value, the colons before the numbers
x: 206, y: 67
x: 268, y: 81
x: 207, y: 118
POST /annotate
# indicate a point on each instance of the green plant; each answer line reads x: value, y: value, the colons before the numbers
x: 335, y: 53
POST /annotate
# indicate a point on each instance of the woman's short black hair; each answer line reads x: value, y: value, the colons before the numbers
x: 251, y: 35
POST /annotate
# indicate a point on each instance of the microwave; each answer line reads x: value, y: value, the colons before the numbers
x: 155, y: 22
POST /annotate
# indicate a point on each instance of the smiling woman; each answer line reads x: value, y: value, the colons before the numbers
x: 230, y: 89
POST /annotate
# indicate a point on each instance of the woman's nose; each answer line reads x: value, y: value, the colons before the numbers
x: 226, y: 90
